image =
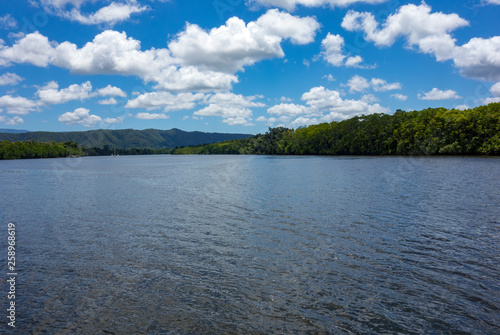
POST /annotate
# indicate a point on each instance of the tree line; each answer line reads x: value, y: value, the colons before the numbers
x: 34, y: 149
x: 432, y: 131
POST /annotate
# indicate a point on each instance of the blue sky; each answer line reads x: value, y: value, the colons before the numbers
x: 240, y: 66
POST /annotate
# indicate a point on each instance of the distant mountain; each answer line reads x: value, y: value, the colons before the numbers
x: 12, y: 131
x: 126, y: 138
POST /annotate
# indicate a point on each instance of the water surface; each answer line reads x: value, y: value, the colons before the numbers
x: 255, y: 244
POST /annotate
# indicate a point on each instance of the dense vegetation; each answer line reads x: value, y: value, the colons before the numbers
x: 433, y: 131
x: 125, y: 138
x: 107, y: 151
x: 34, y: 149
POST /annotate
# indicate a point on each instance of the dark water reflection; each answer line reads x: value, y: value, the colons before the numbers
x: 254, y: 245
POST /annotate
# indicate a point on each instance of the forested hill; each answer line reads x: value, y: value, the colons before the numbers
x: 125, y: 138
x: 433, y: 131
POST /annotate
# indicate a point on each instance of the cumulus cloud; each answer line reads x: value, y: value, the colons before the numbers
x: 10, y: 79
x: 462, y: 107
x: 11, y: 121
x: 430, y: 33
x: 33, y: 48
x: 165, y: 100
x: 17, y: 105
x: 80, y: 116
x: 495, y: 91
x: 303, y: 121
x: 111, y: 14
x: 51, y: 95
x: 7, y: 22
x: 113, y: 120
x: 272, y: 120
x: 110, y: 101
x: 400, y: 97
x: 151, y: 116
x: 111, y: 91
x: 333, y: 52
x: 194, y: 60
x: 360, y: 84
x: 289, y: 109
x: 292, y: 4
x: 234, y: 109
x: 330, y: 101
x: 229, y: 48
x: 437, y: 94
x: 324, y: 105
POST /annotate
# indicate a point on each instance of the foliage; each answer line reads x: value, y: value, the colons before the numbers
x: 107, y: 151
x: 125, y: 138
x: 432, y: 131
x: 34, y: 149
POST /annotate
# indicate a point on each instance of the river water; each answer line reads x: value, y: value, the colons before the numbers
x: 253, y: 245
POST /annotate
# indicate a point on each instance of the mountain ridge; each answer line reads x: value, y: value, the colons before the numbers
x: 126, y: 138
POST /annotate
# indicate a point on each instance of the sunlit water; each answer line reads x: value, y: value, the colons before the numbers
x: 254, y: 245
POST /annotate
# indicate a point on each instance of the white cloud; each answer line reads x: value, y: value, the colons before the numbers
x: 491, y: 100
x: 400, y: 97
x: 291, y: 4
x: 462, y: 107
x: 79, y: 116
x: 303, y: 121
x: 110, y: 15
x: 114, y: 13
x: 479, y: 58
x: 11, y: 121
x: 333, y: 52
x: 61, y: 4
x: 33, y: 48
x: 233, y: 108
x: 272, y: 120
x: 224, y: 111
x: 369, y: 98
x: 380, y: 85
x: 329, y: 77
x: 495, y: 91
x: 493, y: 2
x: 196, y: 59
x: 167, y: 101
x: 360, y: 84
x: 8, y: 22
x: 50, y: 94
x: 416, y: 23
x: 430, y: 32
x: 17, y: 105
x: 333, y: 46
x: 354, y: 61
x: 324, y: 105
x: 151, y: 116
x: 230, y: 47
x: 110, y: 101
x: 113, y: 120
x: 237, y: 121
x: 437, y: 94
x: 330, y: 101
x: 231, y: 99
x: 289, y: 109
x: 10, y: 79
x: 111, y: 91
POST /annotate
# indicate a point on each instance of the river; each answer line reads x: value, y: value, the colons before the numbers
x: 254, y: 244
